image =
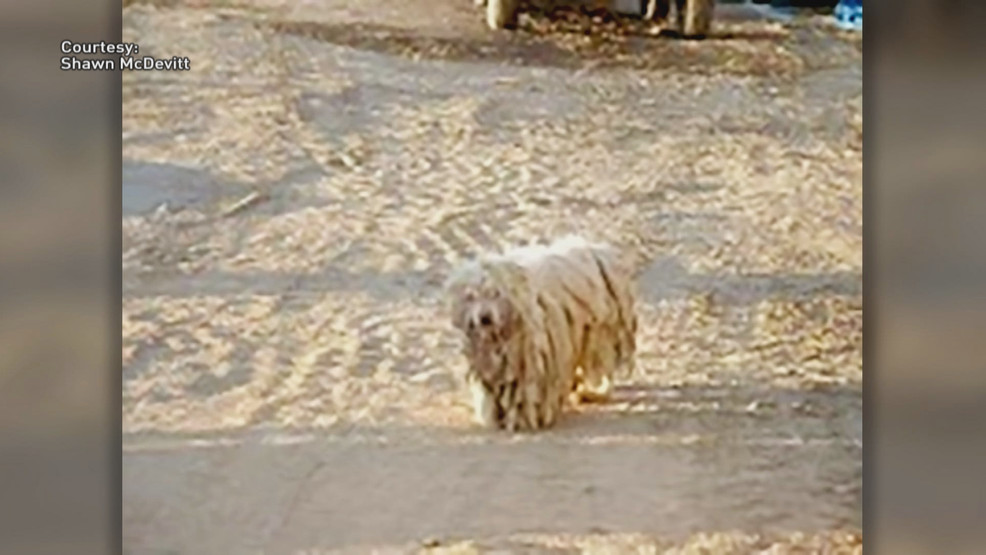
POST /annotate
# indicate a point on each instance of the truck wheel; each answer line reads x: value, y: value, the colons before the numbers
x: 696, y: 21
x: 501, y: 14
x: 657, y: 10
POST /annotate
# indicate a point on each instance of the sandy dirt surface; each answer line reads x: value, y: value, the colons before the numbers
x: 292, y: 204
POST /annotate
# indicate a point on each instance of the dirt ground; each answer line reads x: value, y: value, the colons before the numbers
x: 292, y: 204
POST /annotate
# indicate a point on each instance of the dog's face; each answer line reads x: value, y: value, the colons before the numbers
x: 487, y: 318
x: 484, y: 314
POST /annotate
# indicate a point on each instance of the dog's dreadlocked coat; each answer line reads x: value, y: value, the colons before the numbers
x: 543, y: 325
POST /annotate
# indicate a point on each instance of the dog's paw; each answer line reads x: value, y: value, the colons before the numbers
x: 594, y: 393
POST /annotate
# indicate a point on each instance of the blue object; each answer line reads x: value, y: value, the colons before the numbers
x: 849, y: 14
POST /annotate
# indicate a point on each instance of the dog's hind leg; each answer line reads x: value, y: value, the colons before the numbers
x: 598, y: 363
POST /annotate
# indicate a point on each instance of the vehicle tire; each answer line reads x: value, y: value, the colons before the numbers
x: 657, y: 10
x: 696, y: 19
x: 501, y: 14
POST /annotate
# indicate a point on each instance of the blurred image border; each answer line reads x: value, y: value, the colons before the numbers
x: 62, y: 471
x: 60, y: 402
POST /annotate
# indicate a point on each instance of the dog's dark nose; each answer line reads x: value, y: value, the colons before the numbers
x: 485, y: 320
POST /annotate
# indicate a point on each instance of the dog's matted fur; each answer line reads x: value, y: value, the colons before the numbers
x: 543, y: 324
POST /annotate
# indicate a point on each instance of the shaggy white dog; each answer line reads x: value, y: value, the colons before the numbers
x: 542, y: 325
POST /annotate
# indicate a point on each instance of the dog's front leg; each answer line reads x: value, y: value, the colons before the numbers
x: 483, y: 402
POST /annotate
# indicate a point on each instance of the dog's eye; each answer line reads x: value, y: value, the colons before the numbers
x: 485, y: 320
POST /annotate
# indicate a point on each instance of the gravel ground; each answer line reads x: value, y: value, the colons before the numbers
x: 292, y: 204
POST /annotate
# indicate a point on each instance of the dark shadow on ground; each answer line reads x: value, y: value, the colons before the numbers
x: 671, y: 463
x: 563, y: 18
x: 665, y: 278
x: 149, y: 185
x: 662, y: 280
x: 634, y: 45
